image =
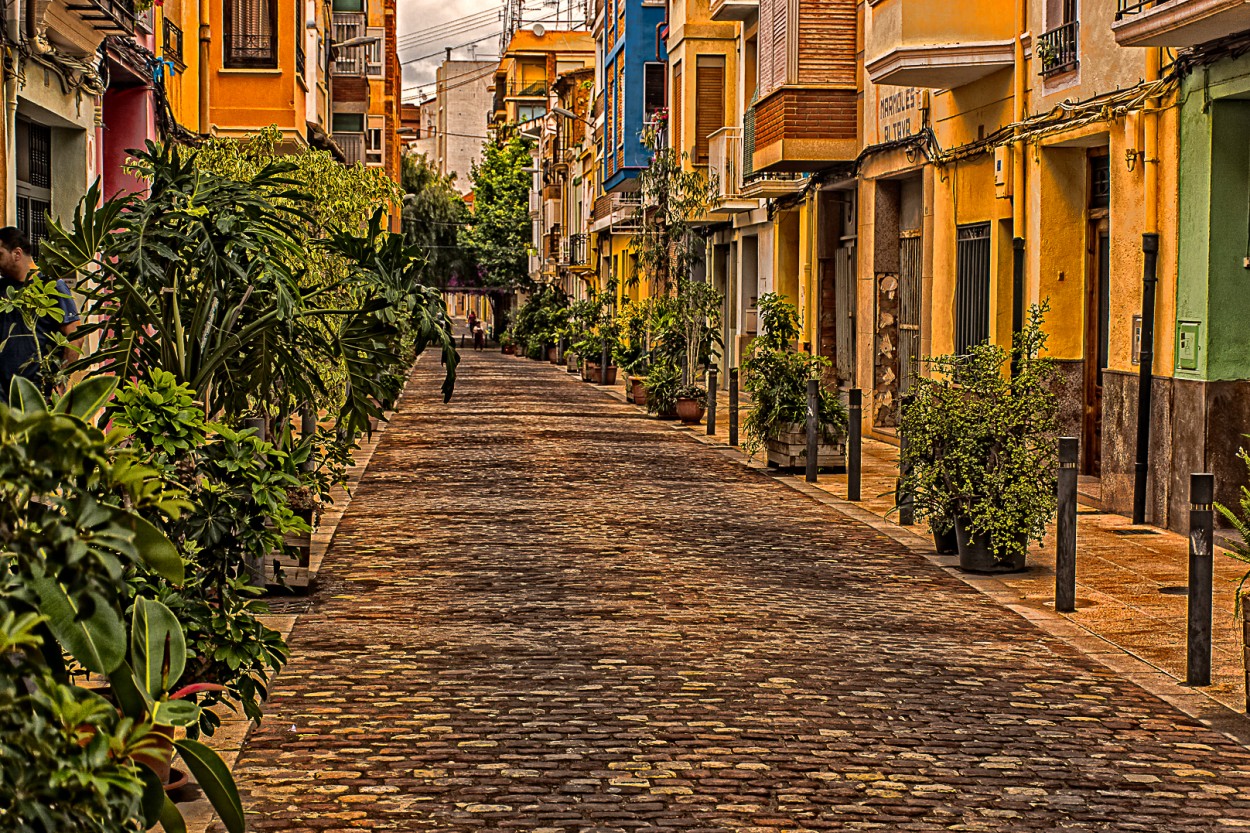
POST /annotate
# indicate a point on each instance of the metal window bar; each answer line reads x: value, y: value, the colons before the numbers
x: 171, y: 38
x: 351, y: 60
x: 972, y: 286
x: 1133, y: 7
x: 1059, y: 48
x: 40, y: 156
x: 353, y: 146
x: 911, y: 251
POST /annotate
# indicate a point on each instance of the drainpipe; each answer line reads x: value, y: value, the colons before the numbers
x: 1017, y: 176
x: 13, y: 26
x: 206, y: 49
x: 1150, y: 264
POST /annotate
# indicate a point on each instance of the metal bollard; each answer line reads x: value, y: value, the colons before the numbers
x: 603, y: 374
x: 711, y: 401
x: 308, y: 427
x: 560, y: 351
x: 733, y: 406
x: 1065, y: 532
x: 854, y: 444
x: 1201, y: 548
x: 813, y: 410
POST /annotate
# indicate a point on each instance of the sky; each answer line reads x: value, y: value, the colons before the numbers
x: 426, y: 27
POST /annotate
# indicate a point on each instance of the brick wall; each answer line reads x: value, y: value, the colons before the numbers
x: 805, y: 114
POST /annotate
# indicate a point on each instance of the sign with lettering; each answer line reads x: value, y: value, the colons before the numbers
x: 899, y: 113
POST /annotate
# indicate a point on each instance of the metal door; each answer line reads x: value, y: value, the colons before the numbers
x: 910, y: 255
x: 972, y: 286
x: 844, y: 312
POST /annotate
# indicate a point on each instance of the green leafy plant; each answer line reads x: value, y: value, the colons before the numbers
x: 1239, y: 519
x: 776, y: 377
x: 663, y: 384
x: 982, y: 442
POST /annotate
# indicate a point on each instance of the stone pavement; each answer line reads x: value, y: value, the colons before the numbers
x: 1131, y: 580
x: 546, y: 612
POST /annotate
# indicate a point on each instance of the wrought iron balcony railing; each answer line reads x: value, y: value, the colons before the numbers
x: 171, y: 39
x: 1132, y: 7
x: 1059, y: 49
x: 575, y: 250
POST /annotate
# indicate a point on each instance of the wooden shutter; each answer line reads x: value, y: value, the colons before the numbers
x: 764, y: 49
x: 709, y: 103
x: 827, y: 42
x: 780, y: 44
x: 674, y: 138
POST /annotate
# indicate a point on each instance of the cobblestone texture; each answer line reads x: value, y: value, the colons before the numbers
x: 545, y: 612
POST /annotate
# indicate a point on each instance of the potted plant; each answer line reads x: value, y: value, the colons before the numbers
x: 1240, y: 550
x: 507, y: 343
x: 776, y: 377
x: 663, y: 383
x: 691, y: 403
x: 928, y: 434
x: 983, y: 448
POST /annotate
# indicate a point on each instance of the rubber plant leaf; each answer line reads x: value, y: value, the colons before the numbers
x: 153, y: 796
x: 176, y: 713
x: 97, y: 641
x: 158, y: 649
x: 154, y: 548
x: 84, y: 399
x: 25, y: 397
x: 131, y: 701
x: 214, y: 778
x: 171, y: 817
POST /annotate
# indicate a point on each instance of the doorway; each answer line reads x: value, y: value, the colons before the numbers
x: 1097, y: 310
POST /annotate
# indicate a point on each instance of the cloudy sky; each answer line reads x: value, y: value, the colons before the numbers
x: 426, y: 27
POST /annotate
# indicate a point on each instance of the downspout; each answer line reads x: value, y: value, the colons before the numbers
x: 206, y: 44
x: 1017, y: 173
x: 13, y: 28
x: 1150, y: 264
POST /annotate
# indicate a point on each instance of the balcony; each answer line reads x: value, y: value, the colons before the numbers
x: 617, y: 212
x: 526, y: 89
x: 575, y: 250
x: 1058, y: 50
x: 725, y: 165
x: 112, y: 17
x: 1177, y: 23
x: 353, y: 146
x: 921, y: 43
x: 725, y: 10
x: 349, y: 61
x: 171, y: 40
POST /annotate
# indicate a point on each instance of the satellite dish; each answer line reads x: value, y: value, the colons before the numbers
x: 539, y: 30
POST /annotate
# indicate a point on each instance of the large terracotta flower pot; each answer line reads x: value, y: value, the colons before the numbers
x: 639, y: 392
x: 553, y: 355
x: 689, y: 411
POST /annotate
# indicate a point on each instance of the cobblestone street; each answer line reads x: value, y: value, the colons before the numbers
x: 545, y: 612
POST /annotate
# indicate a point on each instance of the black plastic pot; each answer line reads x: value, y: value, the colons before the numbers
x: 946, y: 543
x: 977, y: 556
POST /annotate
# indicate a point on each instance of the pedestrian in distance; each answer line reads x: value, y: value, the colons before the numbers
x: 33, y: 313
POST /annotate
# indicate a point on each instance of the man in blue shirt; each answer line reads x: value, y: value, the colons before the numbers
x: 20, y: 349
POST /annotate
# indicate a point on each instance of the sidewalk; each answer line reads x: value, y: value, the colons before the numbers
x: 1131, y: 580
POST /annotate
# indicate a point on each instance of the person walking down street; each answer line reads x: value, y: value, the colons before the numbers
x: 26, y: 350
x: 472, y: 321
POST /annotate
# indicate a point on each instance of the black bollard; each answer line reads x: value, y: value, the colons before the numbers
x: 560, y: 351
x: 603, y: 375
x: 1201, y: 541
x: 813, y: 410
x: 711, y: 401
x: 854, y: 444
x: 307, y: 427
x: 1065, y: 533
x: 733, y: 406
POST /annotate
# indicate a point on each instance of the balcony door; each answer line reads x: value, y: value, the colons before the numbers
x: 251, y: 34
x: 1097, y: 310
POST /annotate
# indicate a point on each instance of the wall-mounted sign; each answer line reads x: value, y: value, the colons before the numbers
x: 900, y: 113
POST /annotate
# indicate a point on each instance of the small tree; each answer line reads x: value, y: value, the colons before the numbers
x: 498, y: 235
x: 673, y: 196
x: 434, y: 214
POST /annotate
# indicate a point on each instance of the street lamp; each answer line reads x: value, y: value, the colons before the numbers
x: 363, y: 40
x: 569, y: 114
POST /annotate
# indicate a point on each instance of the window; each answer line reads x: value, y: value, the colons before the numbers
x: 34, y: 179
x: 709, y: 102
x: 349, y: 5
x: 652, y: 90
x: 1057, y: 49
x: 972, y: 286
x: 1100, y: 182
x: 251, y: 36
x: 299, y: 37
x: 529, y: 112
x: 373, y: 52
x: 675, y: 139
x: 348, y: 122
x: 171, y: 39
x: 375, y: 147
x: 349, y: 60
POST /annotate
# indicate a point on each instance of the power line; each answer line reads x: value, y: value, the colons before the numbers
x: 485, y: 14
x: 425, y: 41
x: 477, y: 75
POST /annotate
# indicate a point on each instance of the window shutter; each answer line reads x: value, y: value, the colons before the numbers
x: 709, y: 103
x: 764, y: 49
x: 674, y: 138
x: 780, y: 46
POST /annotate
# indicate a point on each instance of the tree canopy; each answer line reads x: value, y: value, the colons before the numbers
x: 434, y: 214
x: 499, y: 235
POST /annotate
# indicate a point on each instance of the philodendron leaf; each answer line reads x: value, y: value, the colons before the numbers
x: 214, y: 778
x: 158, y: 649
x: 171, y: 817
x: 97, y: 641
x: 129, y: 698
x: 86, y: 397
x: 25, y: 397
x: 176, y: 713
x: 156, y: 550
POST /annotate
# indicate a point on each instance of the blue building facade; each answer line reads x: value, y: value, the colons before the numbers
x: 633, y: 86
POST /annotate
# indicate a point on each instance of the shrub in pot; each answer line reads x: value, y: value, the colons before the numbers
x: 983, y: 447
x: 663, y: 383
x: 1239, y: 519
x: 776, y: 377
x: 691, y: 403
